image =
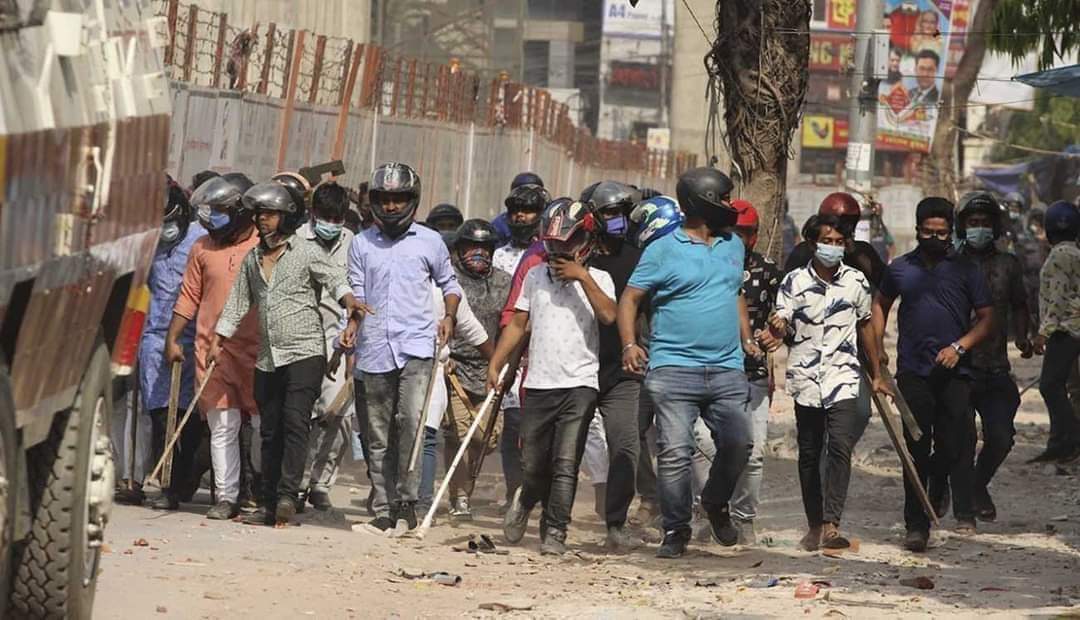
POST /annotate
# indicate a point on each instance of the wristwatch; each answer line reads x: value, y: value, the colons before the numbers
x: 959, y: 348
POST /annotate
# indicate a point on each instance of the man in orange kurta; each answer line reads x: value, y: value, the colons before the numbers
x: 213, y: 264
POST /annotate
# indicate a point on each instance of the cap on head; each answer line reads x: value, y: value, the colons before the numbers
x: 1061, y: 222
x: 747, y: 214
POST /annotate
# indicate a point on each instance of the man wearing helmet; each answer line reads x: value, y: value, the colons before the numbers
x: 1059, y: 329
x: 940, y: 290
x: 333, y: 429
x: 701, y: 332
x: 486, y: 289
x: 163, y: 280
x: 212, y: 267
x: 761, y: 280
x: 391, y: 267
x: 444, y: 218
x: 994, y: 394
x: 282, y: 278
x: 561, y: 302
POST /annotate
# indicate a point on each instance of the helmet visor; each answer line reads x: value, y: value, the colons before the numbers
x: 269, y: 197
x: 216, y: 192
x: 572, y: 248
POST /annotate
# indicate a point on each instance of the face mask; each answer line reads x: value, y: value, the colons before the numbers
x: 327, y: 231
x: 829, y: 255
x: 616, y: 226
x: 477, y: 261
x: 213, y: 220
x: 170, y: 232
x: 933, y: 246
x: 979, y: 238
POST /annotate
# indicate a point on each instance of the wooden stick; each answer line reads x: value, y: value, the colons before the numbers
x: 463, y: 396
x: 170, y: 423
x: 492, y: 394
x: 134, y: 430
x: 340, y: 402
x: 418, y: 441
x: 187, y: 414
x: 1033, y: 383
x: 896, y: 435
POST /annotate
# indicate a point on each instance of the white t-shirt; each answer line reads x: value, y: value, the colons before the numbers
x: 506, y: 259
x: 565, y: 337
x: 467, y: 327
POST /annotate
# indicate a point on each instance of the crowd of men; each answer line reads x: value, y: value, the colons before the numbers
x: 314, y: 327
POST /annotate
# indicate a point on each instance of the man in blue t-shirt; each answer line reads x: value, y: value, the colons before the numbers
x: 939, y: 290
x: 692, y: 278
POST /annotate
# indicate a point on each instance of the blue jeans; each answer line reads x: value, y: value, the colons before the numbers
x: 429, y: 462
x: 747, y: 494
x: 681, y: 395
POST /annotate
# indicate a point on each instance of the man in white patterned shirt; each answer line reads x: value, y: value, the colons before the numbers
x: 824, y: 308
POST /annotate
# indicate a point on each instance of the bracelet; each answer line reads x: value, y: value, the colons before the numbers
x: 626, y: 347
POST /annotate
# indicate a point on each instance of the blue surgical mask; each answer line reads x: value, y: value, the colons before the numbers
x: 213, y: 220
x: 327, y: 231
x: 980, y: 237
x: 616, y: 226
x: 829, y: 255
x: 170, y: 232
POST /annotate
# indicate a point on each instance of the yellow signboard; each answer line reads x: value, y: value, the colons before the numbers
x: 818, y: 132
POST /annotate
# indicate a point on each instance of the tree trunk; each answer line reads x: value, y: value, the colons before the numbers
x: 940, y: 177
x: 759, y: 62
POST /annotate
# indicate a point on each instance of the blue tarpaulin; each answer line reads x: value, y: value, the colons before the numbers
x: 1049, y: 178
x: 1064, y: 81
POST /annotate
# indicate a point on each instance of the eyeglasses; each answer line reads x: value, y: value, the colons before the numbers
x: 940, y: 234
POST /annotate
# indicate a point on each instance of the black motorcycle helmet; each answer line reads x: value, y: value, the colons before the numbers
x: 531, y: 198
x: 526, y: 178
x: 475, y: 232
x: 444, y: 217
x: 587, y: 193
x: 177, y: 209
x: 613, y: 195
x: 706, y: 193
x: 275, y: 196
x: 224, y: 192
x: 978, y: 202
x: 394, y: 178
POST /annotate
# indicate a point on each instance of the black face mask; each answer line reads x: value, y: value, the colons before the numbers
x: 934, y: 247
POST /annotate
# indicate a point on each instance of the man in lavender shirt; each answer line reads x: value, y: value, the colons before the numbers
x: 391, y: 267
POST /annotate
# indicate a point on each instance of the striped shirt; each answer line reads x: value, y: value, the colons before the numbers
x: 288, y: 302
x: 823, y: 361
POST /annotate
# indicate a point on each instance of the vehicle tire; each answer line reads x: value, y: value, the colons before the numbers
x: 8, y: 483
x: 71, y: 479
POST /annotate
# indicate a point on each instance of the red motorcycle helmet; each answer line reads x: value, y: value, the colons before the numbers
x: 845, y: 207
x: 746, y: 219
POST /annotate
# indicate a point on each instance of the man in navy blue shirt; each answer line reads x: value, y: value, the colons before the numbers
x: 939, y: 291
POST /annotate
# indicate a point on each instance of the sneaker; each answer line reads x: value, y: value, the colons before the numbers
x: 165, y: 501
x: 460, y: 510
x: 619, y: 539
x: 223, y: 511
x: 260, y: 516
x: 382, y: 523
x: 285, y: 511
x: 985, y: 509
x: 320, y: 500
x: 674, y: 545
x: 516, y: 520
x: 916, y: 540
x: 554, y: 542
x: 722, y: 529
x: 745, y: 528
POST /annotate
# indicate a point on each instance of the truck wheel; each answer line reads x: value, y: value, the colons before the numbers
x: 8, y: 484
x: 71, y: 483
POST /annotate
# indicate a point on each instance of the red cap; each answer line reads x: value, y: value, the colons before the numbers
x: 747, y: 213
x: 839, y: 204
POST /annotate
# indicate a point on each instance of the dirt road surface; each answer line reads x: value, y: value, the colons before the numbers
x: 1026, y: 563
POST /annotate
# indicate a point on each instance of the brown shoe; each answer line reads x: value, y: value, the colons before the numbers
x: 812, y: 540
x: 831, y: 538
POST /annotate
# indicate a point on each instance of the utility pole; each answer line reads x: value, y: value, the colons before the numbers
x: 523, y: 12
x: 665, y: 59
x: 862, y: 123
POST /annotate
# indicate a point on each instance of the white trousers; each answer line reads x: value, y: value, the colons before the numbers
x: 225, y: 451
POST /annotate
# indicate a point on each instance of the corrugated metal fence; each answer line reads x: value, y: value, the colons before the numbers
x: 263, y: 99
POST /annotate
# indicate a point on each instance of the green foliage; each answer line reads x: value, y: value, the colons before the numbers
x: 1053, y: 124
x: 1051, y: 28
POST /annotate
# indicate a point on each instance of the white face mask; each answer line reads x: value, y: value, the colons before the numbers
x: 170, y: 232
x: 829, y: 255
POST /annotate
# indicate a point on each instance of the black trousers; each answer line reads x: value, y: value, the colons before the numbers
x: 646, y: 471
x: 941, y: 404
x: 824, y: 490
x: 285, y: 398
x: 554, y: 426
x: 619, y: 407
x: 1061, y: 353
x: 184, y: 482
x: 996, y: 400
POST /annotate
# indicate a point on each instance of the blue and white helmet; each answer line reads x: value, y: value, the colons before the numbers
x: 655, y: 218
